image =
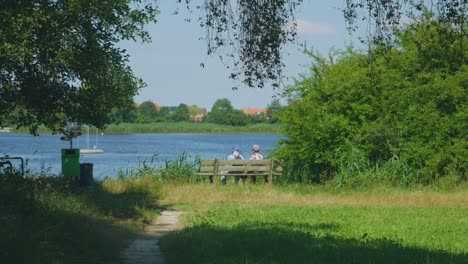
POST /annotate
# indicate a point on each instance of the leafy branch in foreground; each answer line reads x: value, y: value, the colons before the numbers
x: 249, y: 35
x: 60, y: 59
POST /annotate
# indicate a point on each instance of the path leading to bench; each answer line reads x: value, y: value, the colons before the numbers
x: 145, y: 249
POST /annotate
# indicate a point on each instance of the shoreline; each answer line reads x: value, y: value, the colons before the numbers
x: 173, y: 128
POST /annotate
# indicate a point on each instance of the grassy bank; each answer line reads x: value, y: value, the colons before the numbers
x: 49, y: 220
x: 186, y: 127
x: 307, y: 224
x: 179, y: 127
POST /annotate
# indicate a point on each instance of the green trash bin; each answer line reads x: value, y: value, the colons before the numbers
x: 71, y: 163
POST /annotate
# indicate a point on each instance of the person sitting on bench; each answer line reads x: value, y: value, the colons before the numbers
x: 235, y: 155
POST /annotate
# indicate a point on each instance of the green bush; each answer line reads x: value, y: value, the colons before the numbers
x: 394, y: 115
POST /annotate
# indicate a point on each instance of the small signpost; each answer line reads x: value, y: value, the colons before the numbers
x: 71, y: 131
x: 71, y: 156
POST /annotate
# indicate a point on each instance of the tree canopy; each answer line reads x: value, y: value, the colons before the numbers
x: 403, y: 120
x: 223, y: 113
x: 249, y: 35
x: 146, y: 112
x: 59, y: 59
x: 182, y: 113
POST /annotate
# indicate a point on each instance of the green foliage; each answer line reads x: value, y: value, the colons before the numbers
x: 180, y: 169
x: 183, y: 168
x: 125, y: 114
x: 223, y: 113
x: 60, y: 60
x: 252, y: 34
x: 273, y: 109
x: 164, y: 115
x: 382, y: 16
x: 143, y: 169
x: 66, y: 51
x: 195, y: 110
x: 181, y: 114
x: 400, y: 119
x: 146, y: 112
x: 189, y: 127
x: 48, y: 219
x: 257, y: 118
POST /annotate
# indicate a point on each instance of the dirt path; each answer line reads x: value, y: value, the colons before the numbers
x: 145, y: 249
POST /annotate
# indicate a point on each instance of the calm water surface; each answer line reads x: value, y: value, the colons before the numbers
x: 124, y: 152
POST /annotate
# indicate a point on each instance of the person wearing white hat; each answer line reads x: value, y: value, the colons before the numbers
x: 233, y: 156
x: 256, y: 156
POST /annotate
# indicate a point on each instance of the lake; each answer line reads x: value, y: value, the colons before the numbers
x: 124, y: 152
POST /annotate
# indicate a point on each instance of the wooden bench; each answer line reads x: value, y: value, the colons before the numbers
x: 216, y: 168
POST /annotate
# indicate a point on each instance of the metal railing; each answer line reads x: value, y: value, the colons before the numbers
x: 7, y: 166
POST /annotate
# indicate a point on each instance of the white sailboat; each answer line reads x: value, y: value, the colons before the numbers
x: 5, y: 129
x: 95, y: 149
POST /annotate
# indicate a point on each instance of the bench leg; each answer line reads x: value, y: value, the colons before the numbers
x: 253, y: 179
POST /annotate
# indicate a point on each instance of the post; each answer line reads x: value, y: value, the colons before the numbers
x: 215, y: 172
x: 270, y: 175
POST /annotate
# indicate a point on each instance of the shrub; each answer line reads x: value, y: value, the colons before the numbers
x: 396, y: 114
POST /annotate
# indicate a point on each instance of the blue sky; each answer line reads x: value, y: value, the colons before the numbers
x: 170, y: 64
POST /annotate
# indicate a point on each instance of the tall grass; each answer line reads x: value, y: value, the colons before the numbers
x: 353, y: 168
x: 52, y: 220
x: 316, y: 224
x: 188, y: 127
x: 180, y: 169
x: 204, y: 195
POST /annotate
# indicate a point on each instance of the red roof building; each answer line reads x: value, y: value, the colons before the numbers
x: 254, y: 111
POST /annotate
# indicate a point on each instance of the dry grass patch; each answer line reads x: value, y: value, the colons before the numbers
x: 205, y: 195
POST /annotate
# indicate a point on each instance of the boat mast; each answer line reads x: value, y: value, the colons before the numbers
x: 87, y: 136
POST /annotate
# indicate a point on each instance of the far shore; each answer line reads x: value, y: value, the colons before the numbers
x: 174, y: 128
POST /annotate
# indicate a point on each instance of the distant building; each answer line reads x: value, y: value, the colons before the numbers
x: 197, y: 117
x: 197, y: 113
x: 254, y: 111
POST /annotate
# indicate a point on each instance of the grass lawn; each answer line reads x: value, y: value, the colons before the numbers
x: 294, y: 224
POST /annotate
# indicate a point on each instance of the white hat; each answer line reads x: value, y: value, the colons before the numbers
x: 255, y: 147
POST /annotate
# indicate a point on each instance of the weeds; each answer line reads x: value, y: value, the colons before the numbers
x: 53, y: 220
x: 143, y: 169
x: 180, y: 169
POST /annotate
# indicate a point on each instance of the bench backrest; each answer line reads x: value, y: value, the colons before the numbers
x: 216, y: 167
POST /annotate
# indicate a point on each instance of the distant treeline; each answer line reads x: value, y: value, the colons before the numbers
x: 175, y: 127
x: 222, y: 113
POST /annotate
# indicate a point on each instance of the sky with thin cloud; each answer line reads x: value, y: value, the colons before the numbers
x: 314, y: 28
x: 170, y: 64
